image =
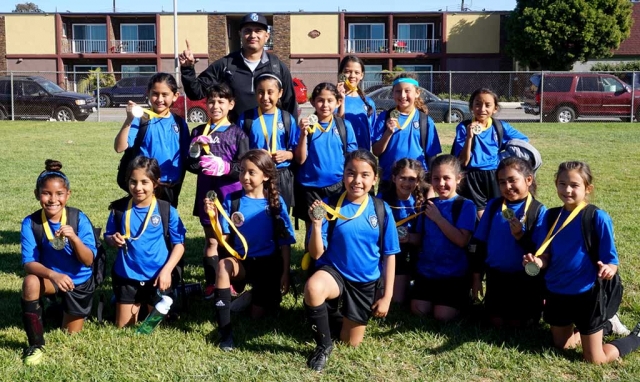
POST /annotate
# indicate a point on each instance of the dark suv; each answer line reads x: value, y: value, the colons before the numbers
x: 568, y: 96
x: 127, y: 89
x: 38, y: 98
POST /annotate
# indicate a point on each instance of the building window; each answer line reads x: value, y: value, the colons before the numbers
x: 136, y: 38
x: 89, y: 38
x: 416, y: 38
x: 366, y: 38
x: 137, y: 70
x: 269, y: 44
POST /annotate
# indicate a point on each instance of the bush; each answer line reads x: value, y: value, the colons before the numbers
x: 90, y: 82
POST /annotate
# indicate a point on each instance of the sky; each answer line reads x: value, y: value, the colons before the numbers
x: 103, y: 6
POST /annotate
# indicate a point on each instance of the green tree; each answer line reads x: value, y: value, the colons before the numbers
x: 27, y: 8
x: 90, y: 82
x: 554, y: 34
x: 387, y: 76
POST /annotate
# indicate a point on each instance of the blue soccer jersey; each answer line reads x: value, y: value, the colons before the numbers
x: 405, y: 143
x: 353, y: 249
x: 325, y: 156
x: 356, y: 112
x: 439, y: 257
x: 62, y: 261
x: 253, y: 220
x: 402, y: 209
x: 145, y: 256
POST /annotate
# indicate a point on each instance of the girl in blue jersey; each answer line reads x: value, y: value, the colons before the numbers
x: 573, y: 302
x: 63, y: 270
x: 265, y: 225
x: 166, y: 138
x: 217, y: 165
x: 356, y: 108
x: 500, y: 244
x: 405, y: 199
x: 349, y: 261
x: 144, y: 264
x: 321, y: 151
x: 268, y: 131
x: 478, y: 152
x: 442, y: 282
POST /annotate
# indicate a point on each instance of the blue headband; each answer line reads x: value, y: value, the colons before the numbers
x: 406, y: 80
x: 46, y: 174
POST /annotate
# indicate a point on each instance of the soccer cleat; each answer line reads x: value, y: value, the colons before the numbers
x: 241, y: 303
x: 208, y: 291
x: 617, y: 327
x: 33, y: 355
x: 318, y: 359
x: 636, y: 330
x: 227, y: 344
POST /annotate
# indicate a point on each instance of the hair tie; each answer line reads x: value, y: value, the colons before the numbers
x: 406, y: 80
x: 46, y: 174
x: 270, y: 76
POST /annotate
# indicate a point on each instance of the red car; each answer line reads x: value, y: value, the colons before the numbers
x: 196, y: 110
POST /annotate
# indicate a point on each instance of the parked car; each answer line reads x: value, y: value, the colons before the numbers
x: 128, y: 88
x: 438, y: 107
x: 38, y: 98
x: 301, y: 91
x: 567, y: 96
x: 196, y: 110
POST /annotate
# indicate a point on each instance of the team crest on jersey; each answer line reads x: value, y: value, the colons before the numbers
x: 176, y: 128
x: 280, y: 126
x: 416, y: 124
x: 254, y: 16
x: 155, y: 220
x: 267, y: 210
x: 335, y: 131
x: 216, y: 139
x: 373, y: 220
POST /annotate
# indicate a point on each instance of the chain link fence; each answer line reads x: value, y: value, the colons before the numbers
x: 523, y: 96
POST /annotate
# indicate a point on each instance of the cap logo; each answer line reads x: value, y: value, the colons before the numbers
x: 254, y: 16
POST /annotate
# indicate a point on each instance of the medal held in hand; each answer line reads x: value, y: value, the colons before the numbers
x: 394, y: 114
x: 532, y: 269
x: 342, y: 77
x: 137, y: 111
x: 402, y: 232
x: 211, y: 195
x: 508, y: 214
x: 313, y: 121
x: 58, y: 243
x: 194, y: 150
x: 318, y: 212
x: 477, y: 128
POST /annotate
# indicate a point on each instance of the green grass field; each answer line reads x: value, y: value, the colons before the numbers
x: 400, y: 347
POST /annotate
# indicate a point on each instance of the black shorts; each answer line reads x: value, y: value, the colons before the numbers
x: 78, y: 302
x: 582, y: 309
x: 128, y: 291
x: 305, y: 196
x: 285, y: 185
x: 406, y: 260
x: 514, y: 296
x: 357, y: 298
x: 454, y: 292
x: 169, y: 193
x: 264, y: 274
x: 479, y: 186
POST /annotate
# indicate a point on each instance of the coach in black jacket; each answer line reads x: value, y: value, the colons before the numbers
x: 239, y: 69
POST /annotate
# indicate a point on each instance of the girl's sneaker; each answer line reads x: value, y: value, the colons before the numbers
x: 208, y: 291
x: 33, y: 355
x: 617, y: 327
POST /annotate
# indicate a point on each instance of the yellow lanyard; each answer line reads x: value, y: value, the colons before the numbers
x: 218, y: 232
x: 45, y: 223
x: 152, y: 114
x: 401, y: 222
x: 408, y: 120
x: 273, y: 132
x: 223, y: 122
x: 547, y: 240
x: 127, y: 220
x: 526, y: 207
x: 319, y: 126
x: 336, y: 212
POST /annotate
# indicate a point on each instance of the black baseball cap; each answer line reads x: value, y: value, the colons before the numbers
x: 254, y: 18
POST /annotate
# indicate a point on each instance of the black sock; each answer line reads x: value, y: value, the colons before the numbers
x: 608, y: 328
x: 222, y: 300
x: 209, y: 265
x: 319, y: 319
x: 335, y: 318
x: 32, y: 320
x: 626, y: 344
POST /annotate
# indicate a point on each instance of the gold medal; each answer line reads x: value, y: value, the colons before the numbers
x: 532, y: 269
x: 508, y: 213
x: 58, y: 243
x: 477, y: 128
x: 137, y: 111
x: 394, y: 114
x: 318, y: 212
x: 212, y: 195
x: 342, y: 77
x: 402, y: 232
x: 313, y: 119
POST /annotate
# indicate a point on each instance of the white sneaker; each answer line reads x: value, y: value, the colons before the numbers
x: 617, y: 327
x: 241, y: 302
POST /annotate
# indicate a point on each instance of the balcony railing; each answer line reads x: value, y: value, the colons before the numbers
x: 133, y: 46
x: 416, y: 46
x: 85, y: 46
x: 366, y: 45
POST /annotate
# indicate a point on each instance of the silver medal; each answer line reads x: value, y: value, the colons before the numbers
x: 318, y: 212
x: 212, y: 195
x: 477, y: 128
x: 194, y: 150
x: 532, y: 269
x: 313, y: 119
x: 137, y: 111
x: 58, y: 243
x: 342, y: 77
x: 508, y: 214
x: 394, y: 114
x: 402, y: 232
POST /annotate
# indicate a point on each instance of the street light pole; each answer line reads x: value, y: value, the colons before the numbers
x: 175, y: 41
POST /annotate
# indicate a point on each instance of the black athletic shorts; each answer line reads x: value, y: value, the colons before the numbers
x: 357, y: 298
x: 480, y: 186
x: 582, y: 309
x: 406, y: 260
x: 78, y: 302
x: 305, y: 196
x: 264, y: 274
x: 454, y: 292
x: 128, y: 291
x: 285, y: 185
x: 514, y: 296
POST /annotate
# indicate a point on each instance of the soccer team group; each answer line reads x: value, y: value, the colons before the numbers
x: 441, y: 223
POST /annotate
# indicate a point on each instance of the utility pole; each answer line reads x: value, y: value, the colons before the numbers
x: 461, y: 6
x: 114, y: 6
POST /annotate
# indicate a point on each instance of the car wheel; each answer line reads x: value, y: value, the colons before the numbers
x: 63, y: 113
x: 104, y: 100
x: 456, y: 116
x: 197, y: 115
x: 565, y: 114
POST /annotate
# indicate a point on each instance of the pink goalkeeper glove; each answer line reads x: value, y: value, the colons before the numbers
x: 213, y: 165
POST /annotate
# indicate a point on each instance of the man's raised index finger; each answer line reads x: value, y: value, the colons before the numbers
x: 187, y: 41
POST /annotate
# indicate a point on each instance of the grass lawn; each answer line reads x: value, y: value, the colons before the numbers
x: 400, y: 347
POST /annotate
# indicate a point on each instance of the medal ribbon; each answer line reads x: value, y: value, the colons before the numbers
x: 45, y: 223
x: 336, y: 212
x: 526, y: 207
x: 218, y: 232
x: 273, y: 132
x: 401, y: 222
x: 312, y: 129
x: 127, y: 220
x: 152, y: 114
x: 408, y: 121
x: 547, y: 240
x: 223, y: 122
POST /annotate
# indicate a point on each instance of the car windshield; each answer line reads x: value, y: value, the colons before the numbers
x: 50, y: 87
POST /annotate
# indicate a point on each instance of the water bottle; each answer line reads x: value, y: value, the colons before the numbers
x: 155, y: 317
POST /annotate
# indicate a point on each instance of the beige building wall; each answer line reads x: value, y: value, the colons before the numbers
x: 473, y: 33
x: 326, y: 43
x: 30, y: 34
x: 190, y: 27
